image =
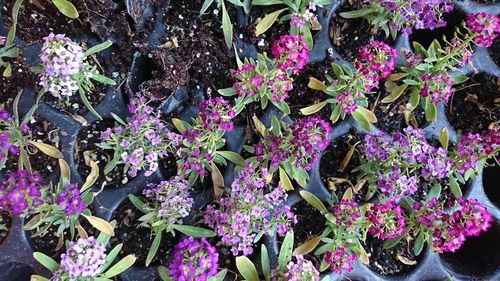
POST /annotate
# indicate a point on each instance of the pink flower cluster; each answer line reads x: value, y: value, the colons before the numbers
x: 449, y: 231
x: 340, y: 259
x: 438, y: 86
x: 485, y: 26
x: 291, y: 53
x: 300, y: 270
x: 217, y: 114
x: 376, y: 60
x: 70, y: 200
x: 347, y: 102
x: 249, y: 211
x: 194, y: 260
x: 21, y: 192
x: 250, y: 81
x: 473, y: 147
x: 386, y: 220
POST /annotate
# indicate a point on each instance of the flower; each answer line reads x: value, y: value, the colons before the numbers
x: 249, y: 210
x: 21, y: 192
x: 61, y: 59
x: 291, y: 52
x: 217, y: 113
x: 301, y: 270
x: 83, y: 258
x: 250, y: 81
x: 485, y: 26
x: 193, y: 260
x: 438, y: 86
x: 172, y: 200
x: 341, y: 259
x: 3, y: 39
x: 387, y: 220
x: 310, y: 135
x: 347, y: 102
x: 70, y: 200
x: 376, y: 60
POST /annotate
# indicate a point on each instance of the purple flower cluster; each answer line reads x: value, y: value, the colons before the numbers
x: 346, y: 212
x: 471, y: 148
x: 301, y: 270
x: 6, y: 145
x: 142, y: 142
x: 70, y: 200
x: 485, y: 26
x: 408, y: 14
x: 340, y: 259
x: 347, y: 102
x: 291, y: 52
x: 193, y: 260
x: 437, y: 86
x: 400, y: 160
x: 300, y: 144
x: 248, y: 211
x: 299, y: 20
x: 376, y: 60
x: 386, y: 220
x: 172, y: 201
x: 449, y: 231
x: 21, y: 192
x: 83, y: 258
x: 217, y: 114
x: 61, y: 59
x: 250, y: 81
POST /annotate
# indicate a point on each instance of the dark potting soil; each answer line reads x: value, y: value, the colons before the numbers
x: 74, y: 105
x: 472, y: 106
x: 310, y: 223
x: 330, y: 163
x: 12, y: 86
x: 265, y: 41
x: 193, y: 53
x: 5, y: 223
x: 494, y: 51
x: 86, y: 142
x: 453, y: 20
x: 302, y: 96
x: 349, y: 35
x: 390, y: 116
x: 137, y: 239
x: 491, y: 177
x: 397, y: 260
x: 485, y: 1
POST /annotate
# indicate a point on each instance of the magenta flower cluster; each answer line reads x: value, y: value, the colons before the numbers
x: 348, y: 102
x: 449, y: 231
x: 376, y: 60
x: 300, y: 270
x: 387, y: 220
x: 21, y: 192
x: 291, y: 53
x: 217, y: 114
x: 142, y: 141
x: 472, y: 148
x: 193, y: 260
x: 396, y: 162
x: 299, y: 20
x: 437, y: 86
x: 300, y: 144
x: 248, y: 211
x: 340, y: 259
x: 485, y: 26
x: 70, y: 200
x: 250, y: 81
x: 172, y: 200
x: 61, y: 59
x: 83, y: 259
x: 6, y: 144
x: 408, y: 14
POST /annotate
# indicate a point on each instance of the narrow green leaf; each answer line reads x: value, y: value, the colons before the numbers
x: 286, y: 251
x: 66, y: 8
x: 46, y: 261
x: 194, y: 231
x: 356, y: 14
x: 444, y: 138
x: 120, y: 266
x: 266, y: 264
x: 86, y: 102
x: 431, y: 112
x: 419, y: 243
x: 205, y: 6
x: 313, y: 108
x: 219, y: 276
x: 137, y: 202
x: 227, y: 26
x: 111, y: 257
x: 285, y: 180
x: 227, y: 92
x: 395, y: 93
x: 313, y: 200
x: 454, y: 187
x: 233, y: 157
x: 393, y: 242
x: 97, y: 48
x: 247, y: 269
x: 268, y: 21
x: 154, y: 248
x: 361, y: 120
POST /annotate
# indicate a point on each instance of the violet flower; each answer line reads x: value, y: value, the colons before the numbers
x: 485, y: 26
x: 386, y: 220
x: 291, y: 52
x: 194, y: 260
x: 301, y: 270
x: 341, y: 259
x: 83, y: 259
x: 21, y: 193
x: 70, y: 200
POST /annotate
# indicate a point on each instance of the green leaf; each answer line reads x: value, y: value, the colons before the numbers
x: 205, y: 6
x: 356, y: 14
x: 431, y: 112
x: 97, y: 48
x: 111, y: 257
x: 395, y: 93
x: 66, y: 8
x: 101, y: 225
x: 285, y: 180
x: 458, y: 79
x: 46, y: 261
x: 435, y: 192
x: 219, y: 276
x: 313, y: 200
x: 86, y: 102
x: 103, y: 79
x: 179, y: 125
x: 194, y: 231
x: 414, y: 99
x: 275, y: 126
x: 368, y: 114
x: 268, y: 21
x: 266, y: 264
x: 410, y: 82
x: 419, y: 48
x: 164, y: 273
x: 38, y: 278
x: 137, y: 202
x: 393, y: 242
x: 154, y: 248
x: 419, y: 243
x: 307, y: 36
x: 286, y: 251
x: 444, y: 138
x: 227, y: 26
x: 112, y: 164
x: 361, y: 120
x: 120, y: 266
x: 247, y: 268
x: 313, y: 108
x: 266, y: 2
x: 337, y: 70
x: 454, y: 187
x: 227, y: 92
x: 233, y: 157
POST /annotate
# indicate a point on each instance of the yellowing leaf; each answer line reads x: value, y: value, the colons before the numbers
x: 65, y: 171
x: 101, y: 225
x: 47, y: 149
x: 218, y: 182
x: 92, y: 177
x: 307, y: 247
x: 444, y: 138
x: 285, y: 180
x: 316, y: 84
x: 313, y: 108
x: 261, y: 128
x: 268, y: 21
